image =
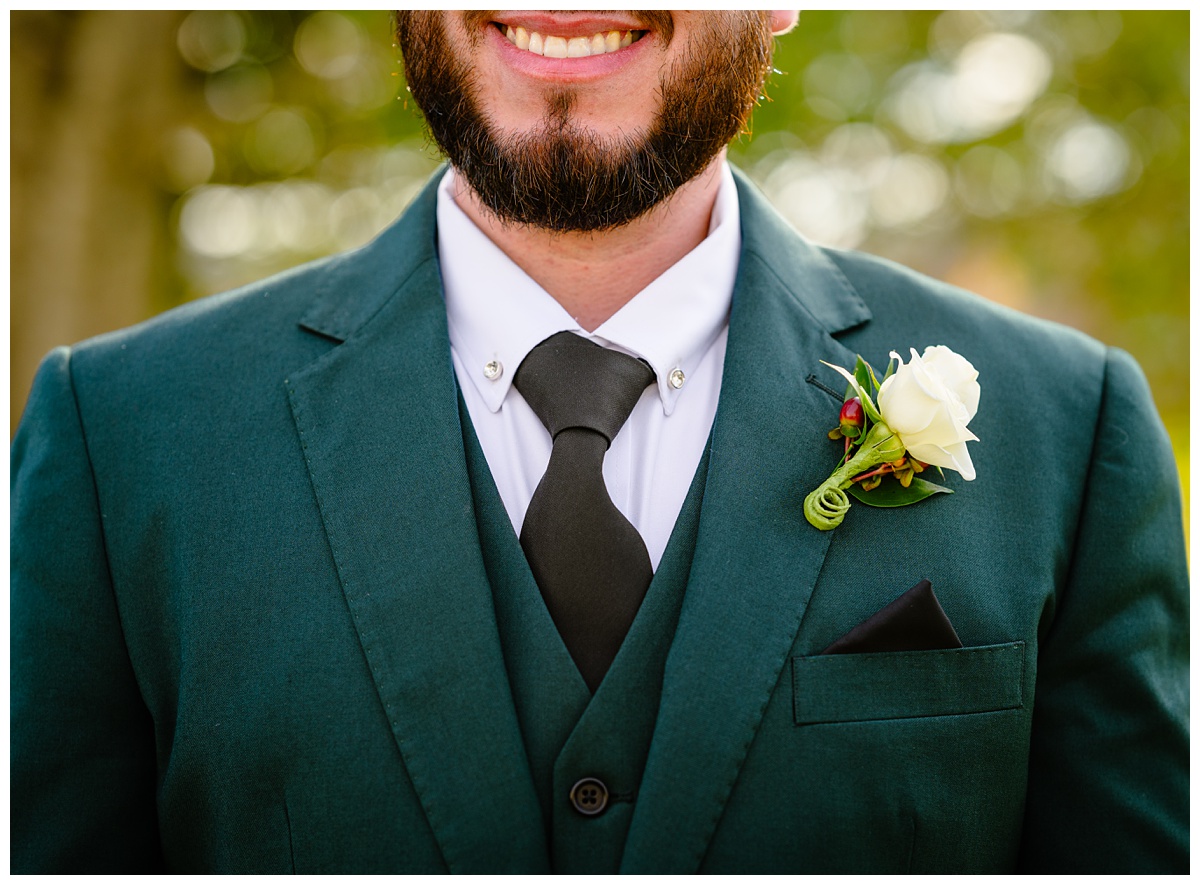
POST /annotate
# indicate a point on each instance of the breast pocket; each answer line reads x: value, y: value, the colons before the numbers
x: 900, y: 685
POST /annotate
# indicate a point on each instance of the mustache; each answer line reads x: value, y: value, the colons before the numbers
x: 658, y: 20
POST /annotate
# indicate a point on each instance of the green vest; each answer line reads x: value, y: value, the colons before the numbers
x: 569, y: 734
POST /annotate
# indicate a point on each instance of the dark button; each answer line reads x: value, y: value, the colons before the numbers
x: 589, y: 796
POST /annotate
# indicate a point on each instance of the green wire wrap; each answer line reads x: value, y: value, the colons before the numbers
x: 826, y: 507
x: 827, y: 504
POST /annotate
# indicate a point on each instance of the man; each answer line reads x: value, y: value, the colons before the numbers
x: 289, y: 586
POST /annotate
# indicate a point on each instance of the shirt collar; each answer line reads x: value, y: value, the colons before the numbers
x: 497, y: 313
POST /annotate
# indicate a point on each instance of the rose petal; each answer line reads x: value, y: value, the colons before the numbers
x: 962, y: 460
x: 954, y: 457
x: 929, y: 381
x: 905, y: 406
x: 944, y: 431
x: 957, y: 373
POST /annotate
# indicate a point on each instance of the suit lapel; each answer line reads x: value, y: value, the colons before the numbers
x: 757, y: 559
x: 378, y: 419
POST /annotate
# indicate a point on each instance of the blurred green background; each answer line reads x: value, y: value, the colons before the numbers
x: 1038, y: 158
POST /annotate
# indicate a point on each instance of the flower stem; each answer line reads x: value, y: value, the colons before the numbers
x: 878, y: 471
x: 826, y: 506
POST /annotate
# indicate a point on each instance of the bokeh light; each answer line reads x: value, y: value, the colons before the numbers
x: 212, y: 40
x: 1088, y: 160
x: 328, y: 44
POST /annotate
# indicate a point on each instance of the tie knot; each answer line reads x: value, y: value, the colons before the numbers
x: 569, y: 381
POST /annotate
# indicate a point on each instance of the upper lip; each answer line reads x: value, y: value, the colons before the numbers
x: 561, y: 24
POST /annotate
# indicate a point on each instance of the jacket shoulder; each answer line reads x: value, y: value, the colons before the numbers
x: 331, y: 296
x: 911, y: 310
x: 196, y: 350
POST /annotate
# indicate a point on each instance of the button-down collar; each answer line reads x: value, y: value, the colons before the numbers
x: 497, y: 313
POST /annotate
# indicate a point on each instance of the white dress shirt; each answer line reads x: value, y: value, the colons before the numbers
x: 678, y: 324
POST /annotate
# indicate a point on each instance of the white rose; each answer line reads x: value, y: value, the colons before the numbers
x: 929, y: 402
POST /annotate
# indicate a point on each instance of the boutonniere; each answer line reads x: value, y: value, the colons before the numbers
x: 917, y: 418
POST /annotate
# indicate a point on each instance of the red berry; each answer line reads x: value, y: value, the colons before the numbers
x: 851, y: 419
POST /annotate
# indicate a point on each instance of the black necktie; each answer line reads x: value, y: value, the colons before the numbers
x: 588, y: 560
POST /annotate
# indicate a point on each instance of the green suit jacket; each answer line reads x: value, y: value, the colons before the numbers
x: 252, y: 629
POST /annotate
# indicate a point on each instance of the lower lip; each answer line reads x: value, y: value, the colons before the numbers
x: 594, y: 67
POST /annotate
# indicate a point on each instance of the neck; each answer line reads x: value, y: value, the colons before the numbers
x: 593, y: 275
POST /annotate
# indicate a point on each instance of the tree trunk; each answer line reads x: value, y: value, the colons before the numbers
x: 93, y: 94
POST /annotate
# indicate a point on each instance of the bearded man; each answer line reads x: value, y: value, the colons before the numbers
x: 484, y: 548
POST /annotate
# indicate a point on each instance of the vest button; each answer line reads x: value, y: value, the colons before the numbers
x: 589, y: 796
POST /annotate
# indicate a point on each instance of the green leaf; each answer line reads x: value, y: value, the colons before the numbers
x: 869, y: 407
x: 891, y: 494
x: 872, y: 412
x: 891, y: 369
x: 862, y: 374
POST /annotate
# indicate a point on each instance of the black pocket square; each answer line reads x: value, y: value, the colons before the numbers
x: 913, y: 622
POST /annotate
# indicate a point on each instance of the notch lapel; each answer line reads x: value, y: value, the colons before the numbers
x: 379, y: 422
x: 757, y: 559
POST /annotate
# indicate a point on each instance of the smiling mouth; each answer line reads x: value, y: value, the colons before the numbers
x: 553, y: 46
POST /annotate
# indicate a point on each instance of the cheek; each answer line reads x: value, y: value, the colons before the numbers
x: 510, y: 108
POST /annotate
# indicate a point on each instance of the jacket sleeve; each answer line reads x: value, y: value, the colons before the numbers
x: 82, y: 741
x: 1108, y: 768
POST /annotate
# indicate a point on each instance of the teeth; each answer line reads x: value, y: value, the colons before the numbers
x: 569, y: 47
x: 519, y: 38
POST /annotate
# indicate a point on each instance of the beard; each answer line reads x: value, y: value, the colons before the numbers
x: 565, y: 178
